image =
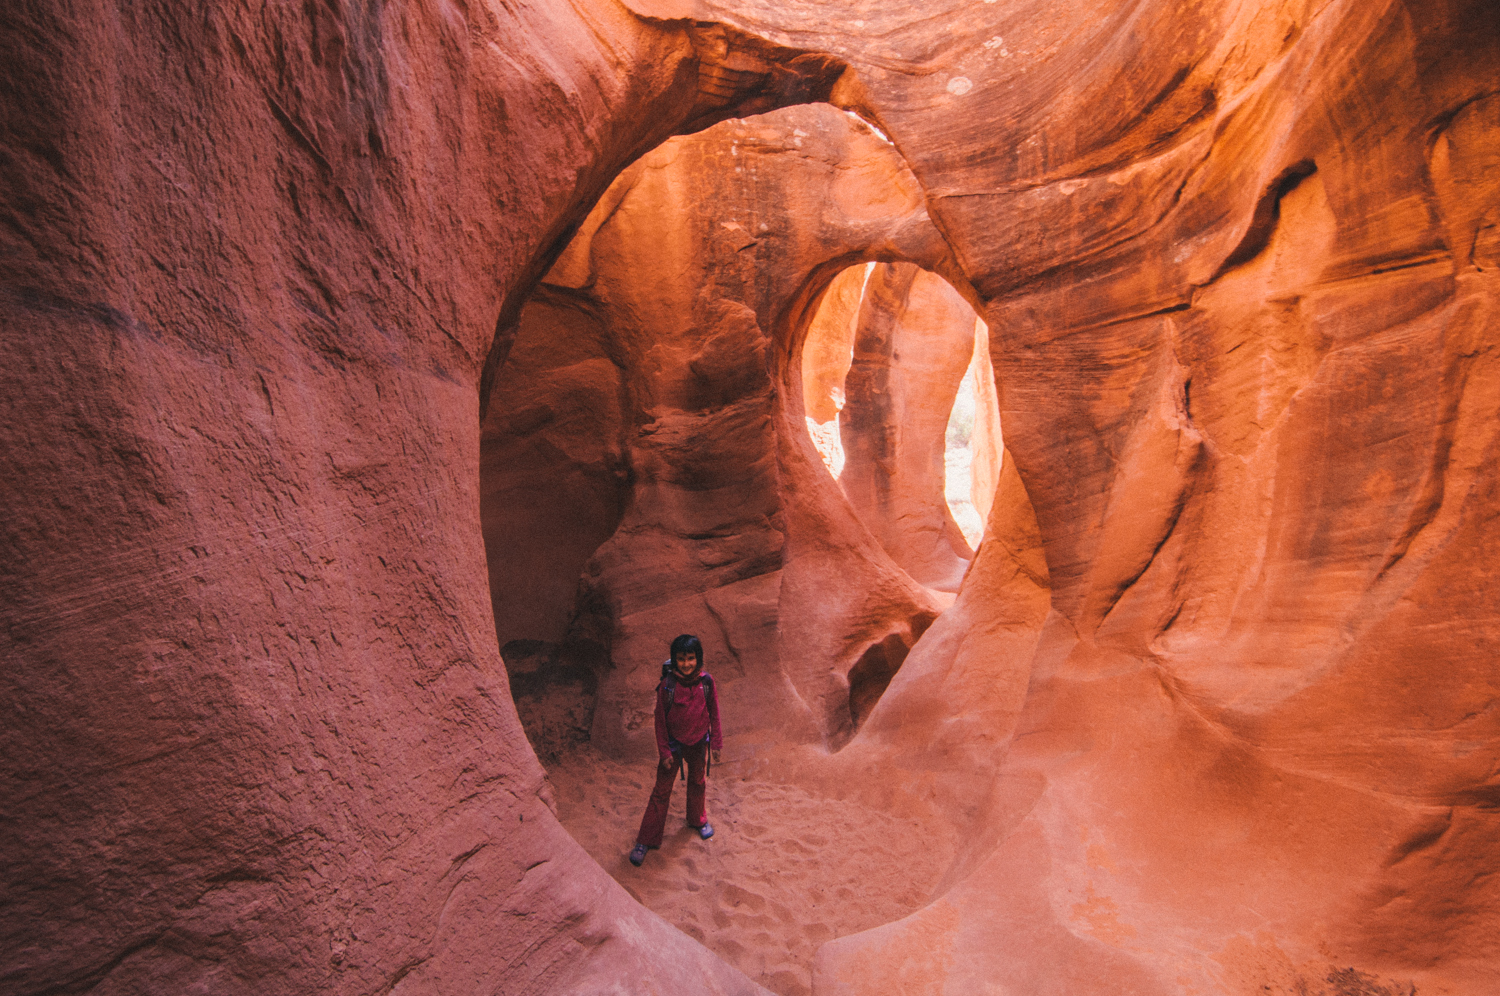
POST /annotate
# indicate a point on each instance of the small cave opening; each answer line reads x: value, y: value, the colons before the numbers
x: 872, y: 673
x: 647, y: 470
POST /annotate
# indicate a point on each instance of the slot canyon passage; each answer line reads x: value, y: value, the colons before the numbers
x: 385, y: 383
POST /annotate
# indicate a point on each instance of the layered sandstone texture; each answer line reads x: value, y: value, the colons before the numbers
x: 913, y: 343
x: 917, y: 468
x: 737, y: 530
x: 257, y: 729
x: 827, y: 354
x: 668, y: 335
x: 1214, y: 703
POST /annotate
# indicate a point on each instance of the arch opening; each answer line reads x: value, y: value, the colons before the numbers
x: 900, y: 404
x: 650, y: 473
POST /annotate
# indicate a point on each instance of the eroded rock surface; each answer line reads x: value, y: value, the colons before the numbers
x: 827, y: 352
x: 257, y: 729
x: 912, y: 346
x: 691, y: 312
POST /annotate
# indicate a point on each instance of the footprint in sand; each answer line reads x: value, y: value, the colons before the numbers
x: 763, y: 924
x: 786, y: 982
x: 730, y: 948
x: 770, y: 888
x: 732, y: 896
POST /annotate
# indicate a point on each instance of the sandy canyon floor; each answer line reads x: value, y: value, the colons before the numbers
x: 794, y: 862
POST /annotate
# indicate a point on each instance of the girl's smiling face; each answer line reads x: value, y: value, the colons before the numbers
x: 686, y: 662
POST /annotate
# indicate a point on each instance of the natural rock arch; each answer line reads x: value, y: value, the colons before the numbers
x: 670, y: 334
x: 884, y: 363
x: 694, y: 310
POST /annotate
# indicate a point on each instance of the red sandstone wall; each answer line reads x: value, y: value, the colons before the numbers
x: 986, y: 442
x: 256, y: 728
x: 696, y: 302
x: 828, y: 345
x: 257, y: 731
x: 1238, y: 756
x: 912, y: 347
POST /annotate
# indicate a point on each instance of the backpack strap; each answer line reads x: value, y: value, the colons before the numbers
x: 669, y: 682
x: 667, y: 688
x: 708, y: 681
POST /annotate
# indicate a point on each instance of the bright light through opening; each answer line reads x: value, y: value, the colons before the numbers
x: 892, y: 350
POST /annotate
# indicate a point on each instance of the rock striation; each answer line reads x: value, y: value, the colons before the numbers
x: 695, y: 312
x: 912, y: 347
x: 255, y: 266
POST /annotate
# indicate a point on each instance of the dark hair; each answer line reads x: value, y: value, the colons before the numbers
x: 687, y: 643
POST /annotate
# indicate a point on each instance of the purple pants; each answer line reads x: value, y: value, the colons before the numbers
x: 654, y: 823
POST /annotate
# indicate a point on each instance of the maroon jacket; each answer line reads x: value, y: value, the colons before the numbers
x: 692, y: 717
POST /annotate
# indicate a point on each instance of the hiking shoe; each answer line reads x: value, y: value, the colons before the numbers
x: 706, y: 830
x: 638, y: 854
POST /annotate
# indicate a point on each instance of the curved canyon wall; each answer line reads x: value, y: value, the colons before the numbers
x: 1217, y: 693
x: 912, y: 347
x: 257, y: 728
x: 685, y: 313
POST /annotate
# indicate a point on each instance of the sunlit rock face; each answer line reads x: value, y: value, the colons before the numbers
x: 986, y: 437
x: 1250, y: 753
x: 912, y: 346
x: 828, y: 344
x: 883, y: 359
x: 827, y: 353
x: 686, y: 316
x: 1221, y: 704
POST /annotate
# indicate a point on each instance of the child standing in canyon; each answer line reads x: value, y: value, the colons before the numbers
x: 687, y: 729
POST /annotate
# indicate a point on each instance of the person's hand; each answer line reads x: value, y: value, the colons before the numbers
x: 666, y: 764
x: 716, y: 757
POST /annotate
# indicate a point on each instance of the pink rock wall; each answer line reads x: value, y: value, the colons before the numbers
x: 1229, y: 764
x: 987, y: 441
x: 1238, y: 267
x: 552, y: 467
x: 828, y: 345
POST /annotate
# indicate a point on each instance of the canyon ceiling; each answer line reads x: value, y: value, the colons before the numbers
x: 295, y: 297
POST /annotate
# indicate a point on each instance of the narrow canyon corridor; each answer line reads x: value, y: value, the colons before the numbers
x: 648, y: 385
x: 1069, y: 425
